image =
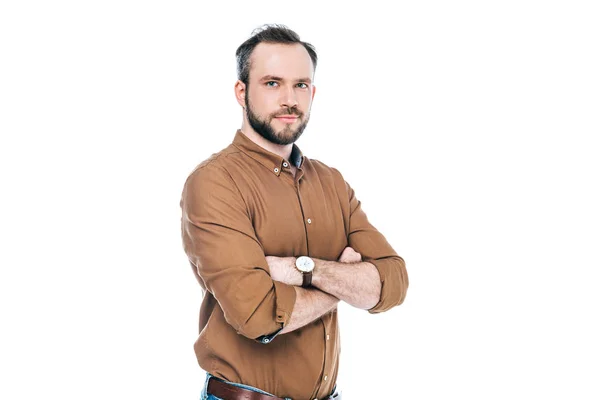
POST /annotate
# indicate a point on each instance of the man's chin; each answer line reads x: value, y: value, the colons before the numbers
x: 284, y: 134
x: 289, y: 137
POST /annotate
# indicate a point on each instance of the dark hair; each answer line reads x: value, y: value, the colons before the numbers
x: 270, y: 33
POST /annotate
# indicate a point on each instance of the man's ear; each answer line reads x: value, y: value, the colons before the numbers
x: 240, y: 93
x: 314, y: 89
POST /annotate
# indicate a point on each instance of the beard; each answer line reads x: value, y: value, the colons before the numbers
x: 263, y: 127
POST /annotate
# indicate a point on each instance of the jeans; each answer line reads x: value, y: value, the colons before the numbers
x: 208, y: 396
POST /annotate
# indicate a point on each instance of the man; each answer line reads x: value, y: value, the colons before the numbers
x: 277, y: 239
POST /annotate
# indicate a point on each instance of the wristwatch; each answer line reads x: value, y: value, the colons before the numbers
x: 305, y: 265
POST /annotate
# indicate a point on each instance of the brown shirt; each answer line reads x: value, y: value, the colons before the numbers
x: 242, y: 204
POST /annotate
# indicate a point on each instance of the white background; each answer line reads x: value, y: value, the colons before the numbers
x: 469, y: 130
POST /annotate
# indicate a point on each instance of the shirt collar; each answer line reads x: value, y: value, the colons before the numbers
x: 270, y: 160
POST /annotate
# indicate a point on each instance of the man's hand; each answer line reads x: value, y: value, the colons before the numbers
x: 350, y: 279
x: 350, y: 256
x: 283, y: 269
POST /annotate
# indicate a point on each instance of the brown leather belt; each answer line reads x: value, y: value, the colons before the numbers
x: 226, y: 391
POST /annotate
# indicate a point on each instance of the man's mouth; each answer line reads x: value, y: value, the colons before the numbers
x: 287, y: 118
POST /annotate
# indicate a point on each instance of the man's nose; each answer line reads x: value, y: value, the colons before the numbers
x: 288, y: 98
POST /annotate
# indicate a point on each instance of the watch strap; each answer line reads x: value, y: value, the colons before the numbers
x: 306, y: 279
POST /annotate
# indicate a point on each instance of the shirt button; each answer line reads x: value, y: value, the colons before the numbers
x: 285, y: 164
x: 327, y: 337
x: 325, y: 378
x: 276, y: 170
x: 309, y: 221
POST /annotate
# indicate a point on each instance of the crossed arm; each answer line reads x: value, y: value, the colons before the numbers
x: 260, y: 294
x: 355, y: 282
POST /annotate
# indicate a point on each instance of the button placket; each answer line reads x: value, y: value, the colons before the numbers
x: 326, y: 365
x: 302, y: 208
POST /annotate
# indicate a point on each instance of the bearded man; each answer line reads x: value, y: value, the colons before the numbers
x: 276, y: 240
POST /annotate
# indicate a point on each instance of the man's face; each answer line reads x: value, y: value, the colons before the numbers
x: 279, y: 93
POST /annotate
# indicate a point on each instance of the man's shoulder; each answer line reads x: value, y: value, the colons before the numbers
x: 214, y: 167
x: 324, y: 169
x: 218, y: 160
x: 333, y: 175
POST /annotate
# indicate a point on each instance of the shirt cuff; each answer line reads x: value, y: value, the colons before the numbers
x: 266, y: 339
x: 286, y: 298
x: 394, y: 283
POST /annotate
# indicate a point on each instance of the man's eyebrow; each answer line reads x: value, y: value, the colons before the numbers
x: 278, y: 78
x: 271, y: 78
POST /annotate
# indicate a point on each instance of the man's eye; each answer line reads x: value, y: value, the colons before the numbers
x: 271, y: 83
x: 302, y: 85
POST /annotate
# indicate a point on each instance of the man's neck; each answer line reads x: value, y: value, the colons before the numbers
x: 283, y: 150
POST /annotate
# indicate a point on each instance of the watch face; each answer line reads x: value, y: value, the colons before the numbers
x: 305, y: 264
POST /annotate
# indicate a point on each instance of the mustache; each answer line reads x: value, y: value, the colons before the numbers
x: 288, y: 111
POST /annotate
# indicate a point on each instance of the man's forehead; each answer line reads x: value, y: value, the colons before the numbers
x: 288, y: 61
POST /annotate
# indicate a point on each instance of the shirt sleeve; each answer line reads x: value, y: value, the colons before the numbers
x: 219, y: 239
x: 375, y: 249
